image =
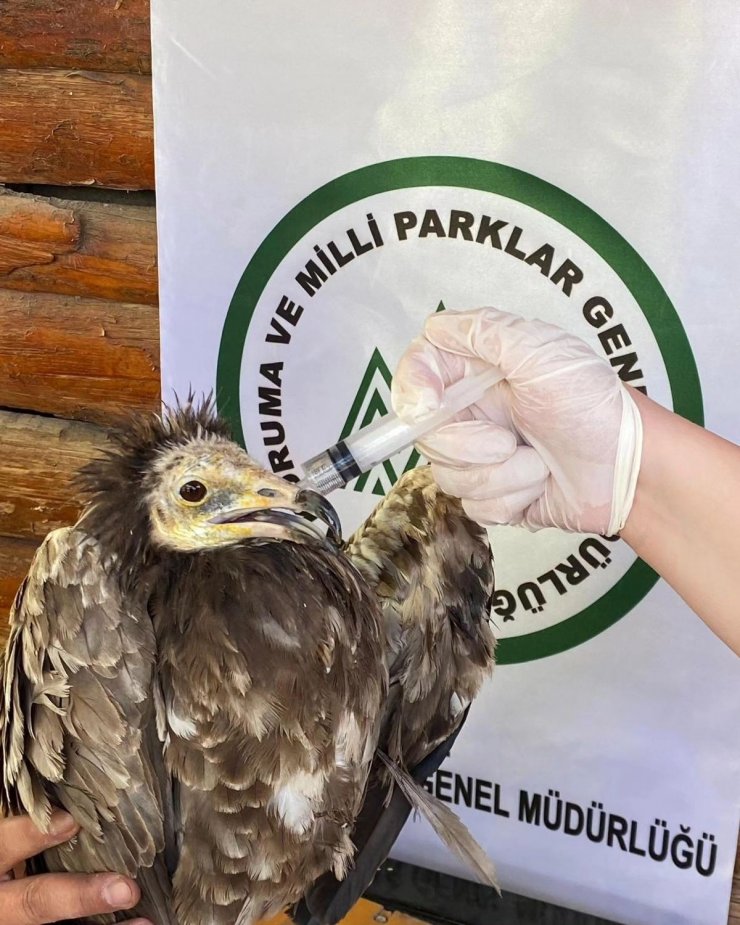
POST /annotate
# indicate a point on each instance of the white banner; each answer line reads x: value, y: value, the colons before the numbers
x: 330, y: 174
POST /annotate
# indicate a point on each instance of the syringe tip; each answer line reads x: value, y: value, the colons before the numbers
x: 321, y: 474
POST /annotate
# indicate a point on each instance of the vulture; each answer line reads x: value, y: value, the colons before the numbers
x: 239, y: 708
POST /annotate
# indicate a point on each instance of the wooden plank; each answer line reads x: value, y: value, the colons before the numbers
x: 92, y: 249
x: 393, y: 918
x: 100, y: 35
x: 38, y: 459
x: 734, y: 918
x: 86, y: 359
x: 15, y: 559
x: 363, y: 913
x: 76, y: 128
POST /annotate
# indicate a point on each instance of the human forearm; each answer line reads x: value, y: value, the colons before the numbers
x: 685, y: 520
x: 557, y: 444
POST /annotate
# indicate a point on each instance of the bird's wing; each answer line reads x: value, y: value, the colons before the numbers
x: 432, y: 570
x: 383, y: 815
x: 76, y: 717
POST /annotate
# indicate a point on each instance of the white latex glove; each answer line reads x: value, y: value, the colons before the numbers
x: 557, y: 444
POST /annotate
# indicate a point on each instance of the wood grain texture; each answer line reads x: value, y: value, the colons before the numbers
x: 105, y: 35
x: 363, y: 913
x: 92, y: 249
x: 38, y: 460
x: 86, y: 359
x: 15, y: 559
x: 76, y: 127
x: 734, y: 918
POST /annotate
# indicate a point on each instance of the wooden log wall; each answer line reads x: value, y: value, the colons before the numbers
x: 78, y: 273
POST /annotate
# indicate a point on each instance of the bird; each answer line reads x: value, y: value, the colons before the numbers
x: 431, y: 568
x: 217, y: 687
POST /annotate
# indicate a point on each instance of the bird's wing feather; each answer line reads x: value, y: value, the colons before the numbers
x: 76, y: 717
x: 447, y: 825
x: 432, y: 570
x: 383, y: 816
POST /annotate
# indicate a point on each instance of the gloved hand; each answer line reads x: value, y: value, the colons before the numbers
x: 557, y: 444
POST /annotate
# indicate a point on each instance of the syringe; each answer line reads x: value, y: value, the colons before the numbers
x: 361, y: 451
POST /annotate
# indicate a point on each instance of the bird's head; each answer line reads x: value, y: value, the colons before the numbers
x: 178, y: 482
x: 207, y: 492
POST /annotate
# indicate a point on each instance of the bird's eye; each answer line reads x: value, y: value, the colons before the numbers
x: 193, y: 492
x: 267, y: 493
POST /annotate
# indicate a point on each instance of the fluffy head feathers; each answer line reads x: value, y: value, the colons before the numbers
x: 177, y: 483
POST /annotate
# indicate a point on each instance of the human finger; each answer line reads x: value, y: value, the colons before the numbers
x: 523, y: 350
x: 509, y: 509
x: 56, y: 897
x: 524, y: 470
x: 465, y: 442
x: 20, y: 839
x: 422, y: 375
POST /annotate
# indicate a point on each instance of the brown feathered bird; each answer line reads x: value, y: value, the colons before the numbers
x: 431, y: 569
x: 227, y: 700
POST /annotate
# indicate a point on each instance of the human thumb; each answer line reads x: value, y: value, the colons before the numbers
x: 423, y: 374
x: 418, y: 384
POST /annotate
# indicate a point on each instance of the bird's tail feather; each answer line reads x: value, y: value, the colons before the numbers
x: 329, y: 900
x: 447, y: 825
x: 385, y: 809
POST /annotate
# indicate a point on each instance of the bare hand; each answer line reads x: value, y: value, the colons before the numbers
x: 53, y: 897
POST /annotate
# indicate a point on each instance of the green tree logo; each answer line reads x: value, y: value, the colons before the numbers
x: 446, y: 174
x: 373, y: 400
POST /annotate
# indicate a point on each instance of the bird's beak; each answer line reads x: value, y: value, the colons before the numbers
x: 287, y: 507
x: 316, y: 505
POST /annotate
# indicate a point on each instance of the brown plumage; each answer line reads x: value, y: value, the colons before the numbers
x: 202, y: 679
x: 432, y: 571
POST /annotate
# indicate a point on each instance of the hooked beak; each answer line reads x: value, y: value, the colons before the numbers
x: 316, y: 505
x: 294, y: 514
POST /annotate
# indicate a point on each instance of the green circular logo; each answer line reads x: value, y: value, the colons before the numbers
x: 519, y: 187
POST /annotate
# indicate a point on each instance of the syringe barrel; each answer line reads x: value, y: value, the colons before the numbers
x: 359, y: 453
x: 330, y: 470
x: 382, y: 439
x: 388, y: 436
x: 379, y: 441
x: 320, y: 474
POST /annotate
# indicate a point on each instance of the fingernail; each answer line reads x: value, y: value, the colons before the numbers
x: 62, y: 824
x: 443, y: 320
x: 118, y: 894
x: 447, y: 329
